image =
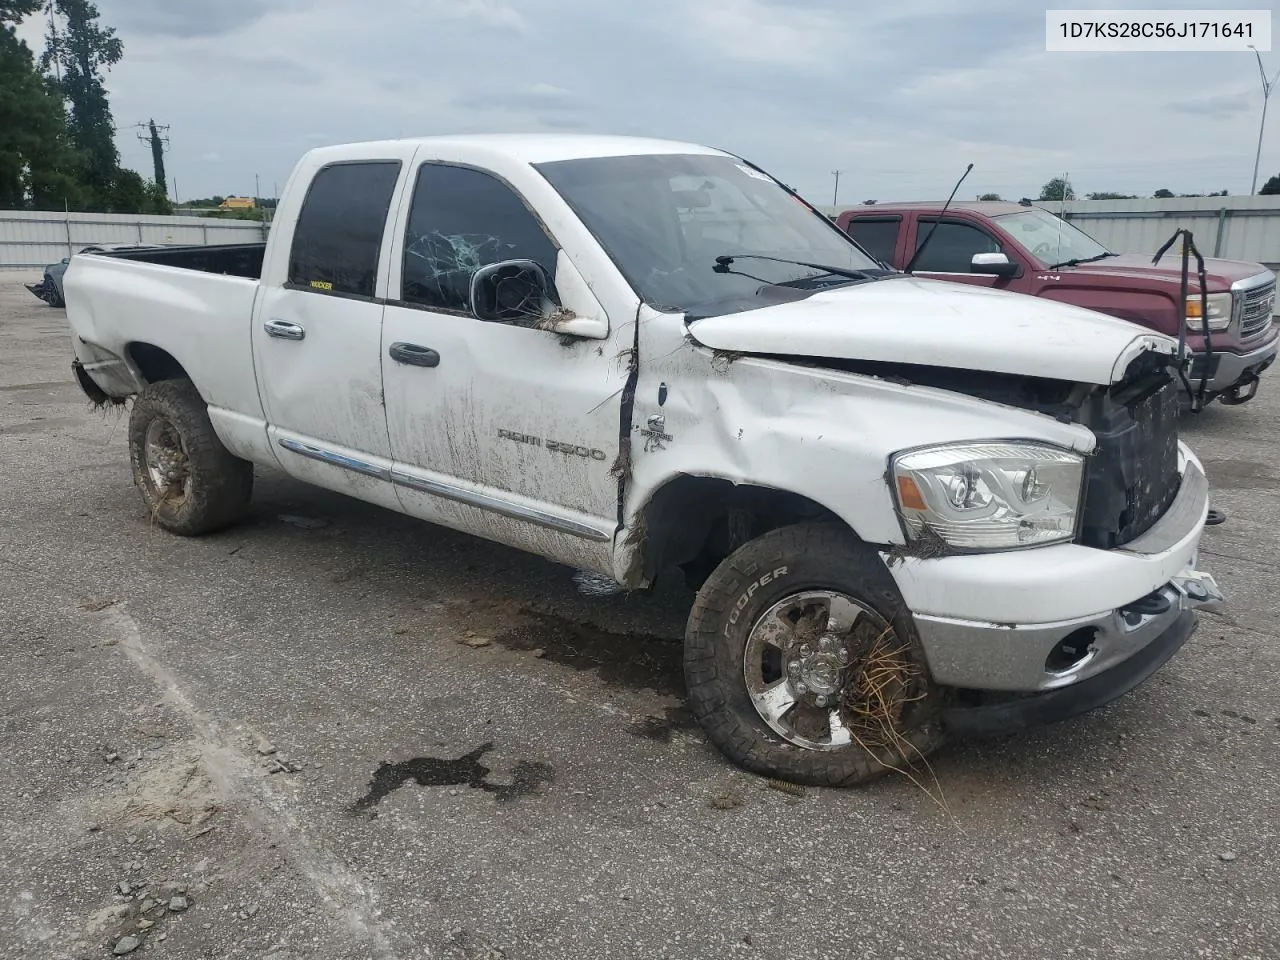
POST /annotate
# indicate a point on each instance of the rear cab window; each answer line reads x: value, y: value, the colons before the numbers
x: 338, y: 237
x: 877, y: 235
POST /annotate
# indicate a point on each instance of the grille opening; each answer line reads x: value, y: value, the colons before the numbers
x: 1071, y: 650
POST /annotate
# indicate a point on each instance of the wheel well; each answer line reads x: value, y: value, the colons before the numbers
x: 695, y: 522
x: 154, y: 363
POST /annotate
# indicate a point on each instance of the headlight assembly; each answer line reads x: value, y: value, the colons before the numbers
x: 994, y: 495
x: 1219, y: 311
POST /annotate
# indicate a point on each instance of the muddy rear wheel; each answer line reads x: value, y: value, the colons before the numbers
x: 803, y: 663
x: 189, y: 481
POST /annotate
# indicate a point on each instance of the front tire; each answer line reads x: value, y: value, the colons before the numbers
x: 803, y: 663
x: 189, y: 481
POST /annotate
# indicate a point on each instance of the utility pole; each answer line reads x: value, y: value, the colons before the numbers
x: 835, y: 194
x: 157, y: 135
x: 1267, y: 86
x: 257, y: 190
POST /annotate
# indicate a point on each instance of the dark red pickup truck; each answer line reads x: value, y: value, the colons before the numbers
x: 1025, y: 249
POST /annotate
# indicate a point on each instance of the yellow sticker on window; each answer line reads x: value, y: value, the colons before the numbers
x: 322, y: 284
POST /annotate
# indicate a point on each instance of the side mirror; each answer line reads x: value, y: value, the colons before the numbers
x: 993, y: 264
x: 513, y: 291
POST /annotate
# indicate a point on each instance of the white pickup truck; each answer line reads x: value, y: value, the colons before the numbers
x: 910, y: 508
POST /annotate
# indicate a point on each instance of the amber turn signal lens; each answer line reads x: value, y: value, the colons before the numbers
x: 909, y: 494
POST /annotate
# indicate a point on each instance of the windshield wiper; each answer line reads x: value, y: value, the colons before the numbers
x: 1079, y: 260
x: 723, y: 263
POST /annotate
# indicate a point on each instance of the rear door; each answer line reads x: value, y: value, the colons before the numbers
x: 317, y: 330
x: 951, y: 249
x: 878, y: 235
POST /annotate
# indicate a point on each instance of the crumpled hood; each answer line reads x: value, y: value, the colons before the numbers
x: 939, y: 324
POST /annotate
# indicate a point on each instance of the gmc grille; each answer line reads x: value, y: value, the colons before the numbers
x: 1255, y: 311
x: 1132, y: 477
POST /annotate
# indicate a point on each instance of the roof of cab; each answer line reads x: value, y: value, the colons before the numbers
x: 547, y: 147
x: 992, y: 208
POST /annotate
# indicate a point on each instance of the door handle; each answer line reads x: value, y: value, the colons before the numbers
x: 414, y: 355
x: 284, y: 330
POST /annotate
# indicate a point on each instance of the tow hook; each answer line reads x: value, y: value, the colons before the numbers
x: 1242, y: 392
x: 1198, y: 591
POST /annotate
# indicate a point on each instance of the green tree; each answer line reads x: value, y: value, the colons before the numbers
x: 37, y: 165
x: 990, y: 196
x: 1163, y: 194
x: 128, y: 192
x: 78, y: 56
x: 1111, y: 196
x: 1057, y: 189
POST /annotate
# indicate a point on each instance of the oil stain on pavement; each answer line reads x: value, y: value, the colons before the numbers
x: 465, y: 771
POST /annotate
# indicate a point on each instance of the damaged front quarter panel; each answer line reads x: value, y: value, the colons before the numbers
x: 814, y: 432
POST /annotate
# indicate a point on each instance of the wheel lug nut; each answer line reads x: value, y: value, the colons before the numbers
x: 806, y: 650
x: 802, y: 688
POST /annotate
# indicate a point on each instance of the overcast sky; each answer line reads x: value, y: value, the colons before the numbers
x: 898, y: 95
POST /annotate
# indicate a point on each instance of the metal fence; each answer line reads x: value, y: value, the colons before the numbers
x: 1237, y: 228
x: 33, y: 238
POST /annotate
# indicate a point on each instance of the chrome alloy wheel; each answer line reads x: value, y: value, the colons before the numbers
x: 167, y: 469
x: 799, y: 664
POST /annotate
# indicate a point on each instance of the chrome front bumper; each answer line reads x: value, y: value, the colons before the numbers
x: 1038, y: 657
x: 1229, y: 369
x: 1055, y: 616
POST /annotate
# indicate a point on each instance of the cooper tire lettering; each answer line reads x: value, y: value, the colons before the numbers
x: 747, y: 594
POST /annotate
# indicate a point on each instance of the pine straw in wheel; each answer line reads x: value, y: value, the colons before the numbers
x: 887, y: 681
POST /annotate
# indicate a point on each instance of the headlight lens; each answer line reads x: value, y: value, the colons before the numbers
x: 989, y: 496
x: 1219, y: 311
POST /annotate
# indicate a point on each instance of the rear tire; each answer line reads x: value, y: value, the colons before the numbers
x: 809, y: 615
x: 189, y: 481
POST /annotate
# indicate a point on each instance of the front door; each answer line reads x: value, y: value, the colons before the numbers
x: 500, y: 429
x: 949, y: 254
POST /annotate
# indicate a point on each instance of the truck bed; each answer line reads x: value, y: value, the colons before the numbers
x: 233, y: 260
x: 193, y: 304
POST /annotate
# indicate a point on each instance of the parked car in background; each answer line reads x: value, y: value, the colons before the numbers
x: 1025, y: 249
x: 49, y: 289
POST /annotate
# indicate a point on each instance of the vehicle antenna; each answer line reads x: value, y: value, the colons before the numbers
x: 1066, y: 181
x: 920, y: 249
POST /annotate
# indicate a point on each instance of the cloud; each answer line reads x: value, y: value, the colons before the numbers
x: 534, y: 97
x: 898, y: 96
x: 181, y: 19
x: 1217, y: 107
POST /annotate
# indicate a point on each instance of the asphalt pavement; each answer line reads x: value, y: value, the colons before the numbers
x: 335, y: 732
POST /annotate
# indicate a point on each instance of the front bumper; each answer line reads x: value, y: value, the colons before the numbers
x: 42, y: 290
x: 1225, y: 370
x: 1049, y: 618
x: 1018, y: 713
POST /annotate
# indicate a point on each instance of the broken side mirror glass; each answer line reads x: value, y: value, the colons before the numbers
x: 512, y: 291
